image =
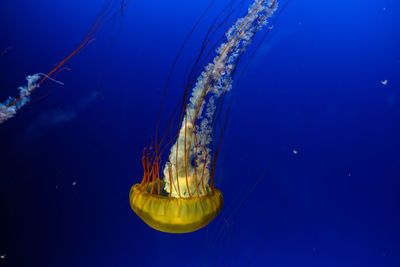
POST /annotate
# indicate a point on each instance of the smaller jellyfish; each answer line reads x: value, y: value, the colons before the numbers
x: 186, y: 199
x: 11, y: 106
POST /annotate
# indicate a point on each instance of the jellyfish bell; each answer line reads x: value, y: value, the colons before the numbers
x: 183, y: 201
x: 174, y: 214
x: 181, y: 197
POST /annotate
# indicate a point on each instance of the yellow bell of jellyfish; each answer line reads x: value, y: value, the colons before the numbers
x: 185, y: 199
x: 175, y: 215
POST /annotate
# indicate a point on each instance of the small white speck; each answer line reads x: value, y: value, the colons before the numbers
x: 384, y: 9
x: 384, y: 82
x: 56, y: 186
x: 295, y: 151
x: 271, y: 27
x: 2, y: 256
x: 349, y: 174
x: 74, y: 183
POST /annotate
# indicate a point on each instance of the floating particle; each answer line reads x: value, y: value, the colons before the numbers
x: 384, y: 9
x: 295, y: 151
x: 74, y: 183
x: 56, y: 186
x: 2, y: 256
x: 384, y: 82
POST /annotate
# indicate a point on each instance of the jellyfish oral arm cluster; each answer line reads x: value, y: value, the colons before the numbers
x: 186, y: 199
x: 10, y: 107
x: 193, y: 142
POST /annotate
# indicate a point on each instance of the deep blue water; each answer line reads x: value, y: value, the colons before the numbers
x: 68, y: 159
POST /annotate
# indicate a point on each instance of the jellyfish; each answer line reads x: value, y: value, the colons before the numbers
x: 180, y: 196
x: 12, y: 105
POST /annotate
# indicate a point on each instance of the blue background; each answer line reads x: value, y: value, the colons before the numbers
x: 69, y: 159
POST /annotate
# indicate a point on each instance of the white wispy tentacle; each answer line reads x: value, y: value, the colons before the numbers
x: 196, y: 130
